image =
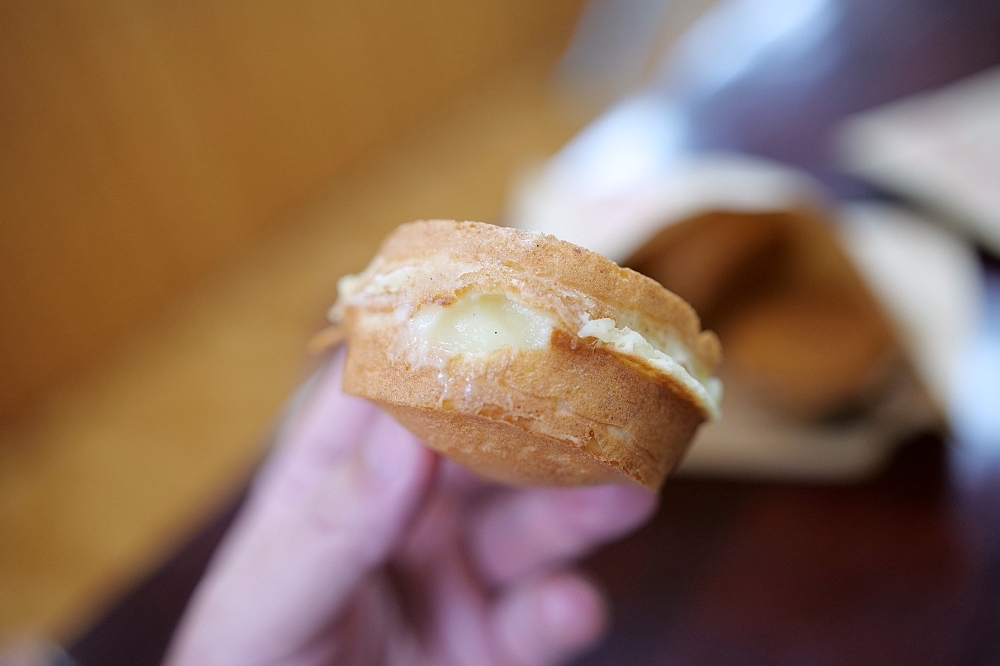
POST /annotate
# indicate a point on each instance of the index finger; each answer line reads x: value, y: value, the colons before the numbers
x: 525, y: 531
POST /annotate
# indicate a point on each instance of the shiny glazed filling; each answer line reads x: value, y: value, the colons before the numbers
x: 481, y: 323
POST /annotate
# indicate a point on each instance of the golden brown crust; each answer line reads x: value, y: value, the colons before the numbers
x: 572, y: 413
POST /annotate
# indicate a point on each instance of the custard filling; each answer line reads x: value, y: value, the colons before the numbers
x: 480, y: 324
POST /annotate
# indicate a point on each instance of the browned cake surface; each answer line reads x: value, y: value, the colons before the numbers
x: 574, y: 412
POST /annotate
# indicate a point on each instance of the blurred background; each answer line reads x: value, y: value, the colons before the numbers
x: 181, y: 184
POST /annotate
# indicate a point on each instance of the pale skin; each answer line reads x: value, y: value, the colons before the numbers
x: 358, y: 545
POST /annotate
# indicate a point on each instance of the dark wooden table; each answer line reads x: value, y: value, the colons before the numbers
x: 902, y: 570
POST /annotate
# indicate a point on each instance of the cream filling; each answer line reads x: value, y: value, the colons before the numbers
x: 479, y: 324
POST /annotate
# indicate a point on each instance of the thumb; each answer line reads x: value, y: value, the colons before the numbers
x: 328, y: 510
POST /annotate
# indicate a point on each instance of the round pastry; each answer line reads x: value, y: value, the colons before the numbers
x: 527, y: 359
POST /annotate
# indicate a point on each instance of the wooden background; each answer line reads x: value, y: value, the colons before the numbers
x: 181, y: 183
x: 142, y: 142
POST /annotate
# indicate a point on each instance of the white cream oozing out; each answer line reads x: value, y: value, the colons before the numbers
x: 480, y: 324
x: 627, y: 341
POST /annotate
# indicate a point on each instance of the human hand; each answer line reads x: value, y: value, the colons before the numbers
x: 358, y: 546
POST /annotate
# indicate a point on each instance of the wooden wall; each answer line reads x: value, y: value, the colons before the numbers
x: 142, y: 141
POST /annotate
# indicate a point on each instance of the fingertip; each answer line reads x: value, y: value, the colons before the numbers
x: 626, y: 506
x: 549, y: 621
x: 529, y: 530
x: 572, y: 612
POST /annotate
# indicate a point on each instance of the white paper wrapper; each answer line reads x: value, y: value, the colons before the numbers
x: 941, y: 149
x: 927, y: 280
